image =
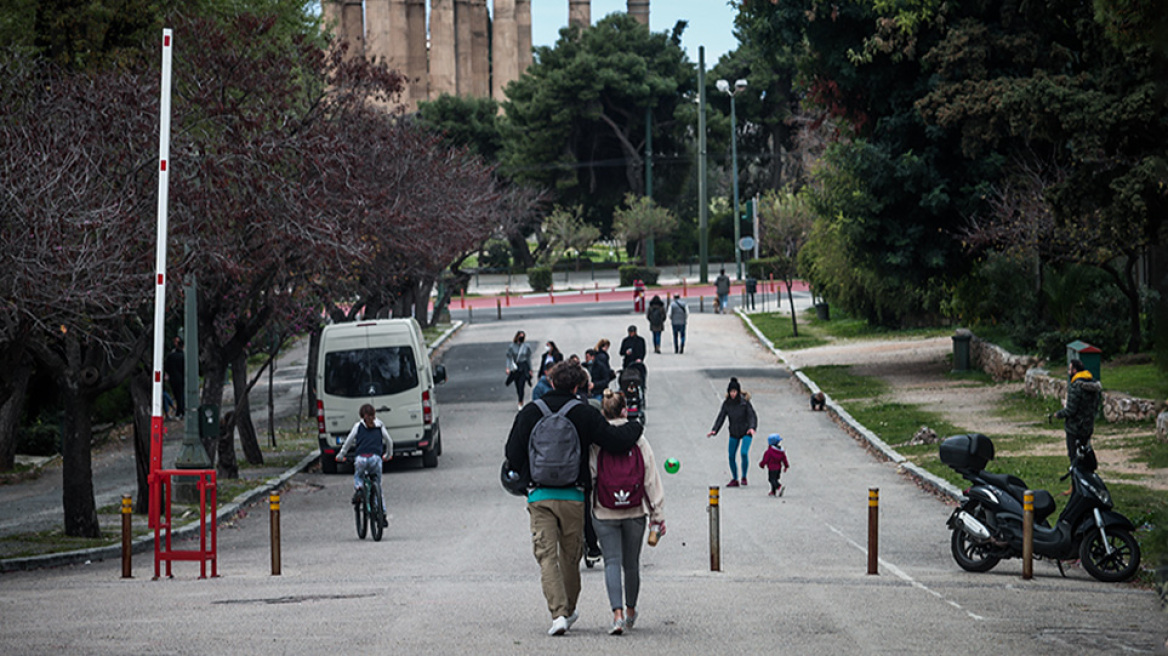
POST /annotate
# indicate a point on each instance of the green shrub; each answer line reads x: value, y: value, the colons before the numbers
x: 632, y: 272
x: 764, y: 268
x: 540, y: 278
x: 497, y: 254
x: 114, y: 406
x: 39, y: 439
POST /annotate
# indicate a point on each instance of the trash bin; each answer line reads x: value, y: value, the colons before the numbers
x: 1090, y: 356
x: 821, y: 312
x: 961, y: 350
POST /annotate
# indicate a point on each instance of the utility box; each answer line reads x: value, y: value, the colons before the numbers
x: 1090, y: 356
x: 209, y: 421
x: 961, y: 343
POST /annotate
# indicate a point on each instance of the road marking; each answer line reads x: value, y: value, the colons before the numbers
x: 899, y: 573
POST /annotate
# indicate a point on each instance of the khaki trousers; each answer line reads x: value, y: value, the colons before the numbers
x: 557, y: 539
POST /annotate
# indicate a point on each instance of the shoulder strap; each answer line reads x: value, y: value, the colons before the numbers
x: 563, y: 411
x: 543, y: 407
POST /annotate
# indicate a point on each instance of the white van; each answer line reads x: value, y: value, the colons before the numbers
x: 385, y: 363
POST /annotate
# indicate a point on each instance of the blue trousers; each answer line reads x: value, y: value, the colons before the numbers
x: 743, y: 444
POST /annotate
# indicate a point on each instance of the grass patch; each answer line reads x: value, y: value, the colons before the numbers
x: 840, y: 384
x: 896, y: 423
x: 778, y: 329
x: 1144, y: 381
x: 55, y: 541
x: 432, y: 333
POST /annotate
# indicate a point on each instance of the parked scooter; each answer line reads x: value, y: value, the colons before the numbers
x: 987, y: 527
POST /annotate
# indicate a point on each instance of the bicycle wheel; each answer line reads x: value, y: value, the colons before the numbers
x: 376, y: 516
x: 362, y: 510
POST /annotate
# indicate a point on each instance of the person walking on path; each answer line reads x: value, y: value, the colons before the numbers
x: 551, y: 356
x: 601, y: 369
x: 1083, y: 395
x: 632, y: 348
x: 557, y: 513
x: 774, y: 459
x: 722, y: 288
x: 519, y: 364
x: 678, y: 315
x: 743, y: 422
x: 656, y: 316
x: 620, y: 520
x: 174, y: 366
x: 371, y: 442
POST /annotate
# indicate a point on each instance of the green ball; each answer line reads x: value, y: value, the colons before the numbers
x: 672, y: 465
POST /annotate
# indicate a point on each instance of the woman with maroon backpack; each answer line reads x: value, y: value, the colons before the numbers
x: 625, y: 489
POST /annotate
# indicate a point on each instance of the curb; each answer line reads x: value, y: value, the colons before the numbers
x: 923, y: 477
x: 144, y: 543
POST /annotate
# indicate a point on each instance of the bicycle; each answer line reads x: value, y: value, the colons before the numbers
x: 369, y: 510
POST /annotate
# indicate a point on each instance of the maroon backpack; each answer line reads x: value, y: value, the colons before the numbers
x: 620, y: 479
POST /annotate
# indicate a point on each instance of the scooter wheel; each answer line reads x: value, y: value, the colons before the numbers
x: 1119, y: 565
x: 970, y: 555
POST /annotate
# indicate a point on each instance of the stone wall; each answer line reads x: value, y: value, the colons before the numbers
x: 1162, y: 426
x: 1117, y: 407
x: 999, y: 363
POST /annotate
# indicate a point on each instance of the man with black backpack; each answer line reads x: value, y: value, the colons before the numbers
x: 548, y: 446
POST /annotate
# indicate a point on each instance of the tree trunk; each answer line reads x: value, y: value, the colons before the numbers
x: 422, y: 302
x: 520, y: 252
x: 313, y: 365
x: 140, y: 395
x: 77, y: 461
x: 243, y: 423
x: 228, y: 469
x: 11, y: 410
x: 791, y: 301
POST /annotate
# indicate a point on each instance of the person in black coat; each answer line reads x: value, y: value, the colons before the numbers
x: 601, y: 369
x: 743, y: 422
x: 632, y: 348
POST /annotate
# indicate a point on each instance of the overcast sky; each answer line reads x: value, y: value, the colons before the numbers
x: 711, y: 22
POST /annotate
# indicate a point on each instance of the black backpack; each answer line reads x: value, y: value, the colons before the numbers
x: 553, y: 450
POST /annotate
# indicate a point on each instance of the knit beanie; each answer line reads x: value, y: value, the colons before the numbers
x: 734, y: 386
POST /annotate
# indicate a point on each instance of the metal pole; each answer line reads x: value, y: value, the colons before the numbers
x: 1028, y: 534
x: 127, y: 534
x: 756, y: 235
x: 703, y: 201
x: 274, y: 507
x: 873, y: 529
x: 499, y: 309
x: 734, y: 172
x: 715, y: 532
x: 650, y: 251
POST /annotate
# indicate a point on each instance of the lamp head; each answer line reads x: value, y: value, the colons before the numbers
x: 739, y: 85
x: 723, y: 86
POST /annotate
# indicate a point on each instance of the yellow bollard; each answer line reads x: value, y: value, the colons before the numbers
x: 715, y: 531
x: 127, y: 535
x: 873, y: 529
x: 274, y: 507
x: 1028, y: 534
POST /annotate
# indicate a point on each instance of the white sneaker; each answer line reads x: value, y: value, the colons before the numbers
x: 571, y: 619
x: 630, y: 618
x: 618, y: 627
x: 559, y: 626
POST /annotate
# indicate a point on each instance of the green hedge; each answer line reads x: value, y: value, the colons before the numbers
x: 540, y: 278
x: 632, y: 272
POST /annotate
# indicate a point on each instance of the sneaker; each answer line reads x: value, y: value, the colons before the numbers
x: 357, y: 498
x: 617, y: 628
x: 733, y: 483
x: 630, y: 618
x: 559, y: 626
x: 781, y: 488
x: 771, y: 493
x: 520, y: 406
x: 384, y: 522
x: 571, y: 619
x: 743, y: 481
x: 590, y: 560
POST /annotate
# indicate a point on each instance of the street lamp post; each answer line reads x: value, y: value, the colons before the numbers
x: 724, y: 87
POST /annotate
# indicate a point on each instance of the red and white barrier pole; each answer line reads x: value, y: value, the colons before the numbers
x: 156, y: 427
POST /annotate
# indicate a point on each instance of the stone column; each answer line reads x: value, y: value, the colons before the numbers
x: 416, y: 52
x: 504, y: 48
x: 481, y: 49
x: 352, y: 26
x: 463, y: 47
x: 580, y: 13
x: 639, y: 9
x: 523, y: 27
x: 386, y: 36
x: 443, y: 51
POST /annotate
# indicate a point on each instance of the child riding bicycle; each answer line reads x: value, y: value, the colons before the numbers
x: 371, y: 442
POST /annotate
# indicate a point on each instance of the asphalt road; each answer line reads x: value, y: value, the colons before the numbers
x: 455, y: 572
